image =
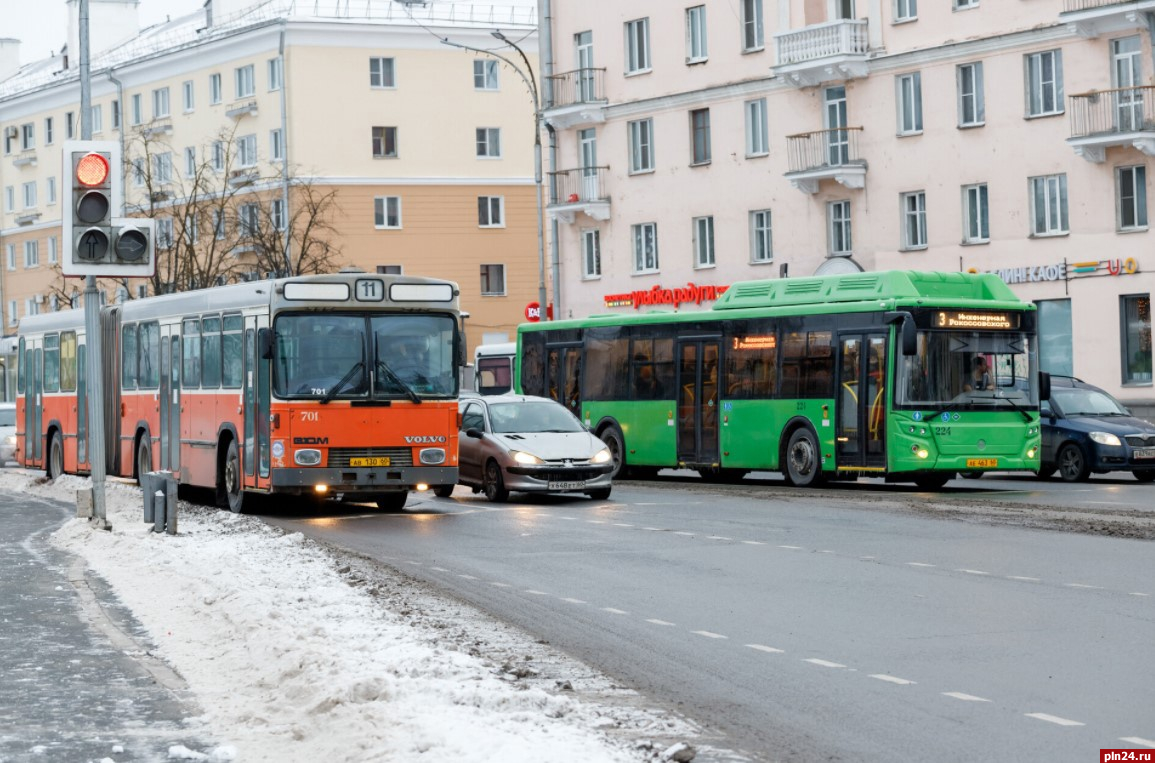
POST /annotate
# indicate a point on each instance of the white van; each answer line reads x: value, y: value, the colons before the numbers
x: 493, y: 368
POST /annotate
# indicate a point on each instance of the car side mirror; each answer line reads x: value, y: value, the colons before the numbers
x: 1044, y: 385
x: 476, y: 434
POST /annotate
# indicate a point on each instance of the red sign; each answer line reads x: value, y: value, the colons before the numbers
x: 690, y: 293
x: 533, y: 312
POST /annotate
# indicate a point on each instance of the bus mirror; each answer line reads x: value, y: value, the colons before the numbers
x: 265, y: 343
x: 1044, y: 385
x: 908, y: 335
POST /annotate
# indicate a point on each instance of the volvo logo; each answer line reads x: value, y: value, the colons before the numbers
x: 423, y: 438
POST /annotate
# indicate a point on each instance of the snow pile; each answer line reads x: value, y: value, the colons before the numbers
x: 289, y: 661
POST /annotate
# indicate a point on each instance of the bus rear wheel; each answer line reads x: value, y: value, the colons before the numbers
x: 803, y: 464
x: 231, y: 478
x: 54, y: 464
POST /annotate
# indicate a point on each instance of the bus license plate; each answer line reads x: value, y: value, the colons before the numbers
x: 983, y: 463
x: 1143, y: 453
x: 567, y: 485
x: 374, y: 461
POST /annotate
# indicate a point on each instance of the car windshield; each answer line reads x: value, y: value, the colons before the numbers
x: 523, y: 418
x: 1078, y: 401
x: 7, y: 417
x: 968, y: 369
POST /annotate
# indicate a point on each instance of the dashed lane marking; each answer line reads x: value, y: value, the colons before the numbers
x: 1138, y: 741
x: 613, y: 611
x: 681, y: 532
x: 792, y: 548
x: 621, y: 524
x: 824, y: 663
x: 767, y: 649
x: 1083, y: 585
x: 964, y: 697
x: 573, y: 601
x: 439, y: 569
x: 467, y: 577
x: 536, y: 593
x: 973, y: 572
x: 659, y: 622
x: 1054, y: 719
x: 718, y: 537
x: 1024, y: 578
x: 918, y: 564
x: 500, y: 585
x: 708, y: 634
x: 1137, y: 593
x: 754, y: 543
x: 892, y: 679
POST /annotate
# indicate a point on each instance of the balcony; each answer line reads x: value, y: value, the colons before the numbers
x: 158, y: 127
x: 579, y: 190
x: 241, y: 108
x: 1109, y: 118
x: 579, y: 99
x: 835, y: 51
x: 825, y: 155
x: 243, y: 176
x: 26, y: 158
x: 1091, y: 18
x: 27, y: 217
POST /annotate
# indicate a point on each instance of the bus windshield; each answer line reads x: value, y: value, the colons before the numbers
x: 335, y: 357
x: 968, y: 369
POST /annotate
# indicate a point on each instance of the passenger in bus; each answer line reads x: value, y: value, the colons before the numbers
x: 646, y: 385
x: 980, y: 375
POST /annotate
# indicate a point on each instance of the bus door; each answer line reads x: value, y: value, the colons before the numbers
x: 860, y: 405
x: 563, y: 370
x: 34, y: 404
x: 165, y: 395
x: 82, y: 408
x: 175, y: 400
x: 264, y: 387
x: 249, y: 390
x: 697, y: 435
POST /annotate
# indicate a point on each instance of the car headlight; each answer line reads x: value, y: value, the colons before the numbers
x: 601, y: 457
x: 522, y: 457
x: 1105, y: 438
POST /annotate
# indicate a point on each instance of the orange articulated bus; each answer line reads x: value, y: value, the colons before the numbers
x: 323, y: 385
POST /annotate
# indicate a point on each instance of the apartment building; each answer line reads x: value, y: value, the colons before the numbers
x: 418, y: 141
x: 712, y: 141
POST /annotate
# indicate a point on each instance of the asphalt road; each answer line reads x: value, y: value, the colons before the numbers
x: 864, y: 622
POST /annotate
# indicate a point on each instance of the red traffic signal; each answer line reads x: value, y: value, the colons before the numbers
x: 92, y: 170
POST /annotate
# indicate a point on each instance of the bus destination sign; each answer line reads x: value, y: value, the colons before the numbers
x: 966, y: 319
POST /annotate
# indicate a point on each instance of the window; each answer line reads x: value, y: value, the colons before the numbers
x: 164, y: 232
x: 276, y: 145
x: 31, y: 254
x: 232, y: 357
x: 703, y: 242
x: 909, y: 90
x: 9, y: 198
x: 696, y: 50
x: 69, y: 125
x: 188, y: 95
x: 51, y: 186
x: 215, y: 88
x: 116, y: 115
x: 641, y: 145
x: 913, y: 220
x: 137, y: 110
x: 761, y: 241
x: 484, y: 74
x: 218, y: 217
x: 191, y: 353
x: 381, y: 72
x: 637, y: 46
x: 838, y: 227
x: 387, y: 212
x: 245, y: 81
x: 160, y: 103
x: 1136, y: 317
x: 490, y: 211
x: 752, y: 35
x: 218, y: 155
x: 27, y: 136
x: 277, y: 214
x: 49, y: 132
x: 96, y: 113
x: 489, y: 142
x: 905, y: 10
x: 32, y: 307
x: 1131, y: 197
x: 384, y: 142
x: 13, y: 314
x: 700, y: 136
x: 645, y: 238
x: 138, y: 173
x: 591, y: 253
x: 1048, y: 205
x: 10, y: 252
x: 190, y: 161
x: 162, y: 168
x: 273, y: 68
x: 492, y: 280
x: 976, y: 216
x: 247, y: 150
x: 757, y: 129
x: 962, y: 5
x: 211, y: 352
x: 1044, y: 83
x: 53, y: 250
x: 29, y: 189
x: 971, y: 101
x: 248, y: 219
x: 191, y: 232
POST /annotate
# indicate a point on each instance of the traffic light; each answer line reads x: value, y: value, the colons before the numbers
x: 100, y: 242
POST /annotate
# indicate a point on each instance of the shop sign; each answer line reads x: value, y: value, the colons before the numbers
x: 1065, y: 271
x: 689, y: 294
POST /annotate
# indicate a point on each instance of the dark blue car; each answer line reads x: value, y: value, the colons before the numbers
x: 1086, y: 430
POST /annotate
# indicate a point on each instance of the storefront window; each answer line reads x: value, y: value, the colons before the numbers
x: 1136, y: 310
x: 1056, y: 342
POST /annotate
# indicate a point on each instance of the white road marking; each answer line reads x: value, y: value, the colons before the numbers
x: 892, y: 679
x: 621, y: 524
x: 1138, y: 741
x: 439, y: 569
x: 867, y: 558
x: 973, y: 572
x: 792, y: 548
x: 613, y: 611
x: 597, y: 521
x: 467, y: 577
x: 754, y: 543
x: 1054, y: 719
x: 574, y: 601
x: 653, y: 529
x: 825, y: 551
x: 410, y: 561
x: 500, y: 585
x: 536, y: 593
x: 1082, y: 585
x: 964, y: 697
x: 918, y: 564
x: 1137, y: 593
x: 1024, y: 579
x: 718, y: 537
x: 768, y: 649
x: 659, y: 622
x: 708, y: 634
x: 824, y: 663
x: 571, y: 519
x: 679, y: 532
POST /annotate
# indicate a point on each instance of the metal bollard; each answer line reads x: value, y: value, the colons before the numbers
x: 158, y: 511
x: 146, y: 489
x: 170, y: 505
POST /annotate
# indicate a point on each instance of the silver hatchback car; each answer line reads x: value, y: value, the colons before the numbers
x: 528, y: 444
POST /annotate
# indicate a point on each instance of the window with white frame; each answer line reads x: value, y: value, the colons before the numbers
x: 51, y: 189
x: 53, y: 250
x: 838, y: 228
x: 1048, y: 205
x: 757, y: 128
x: 31, y: 253
x: 13, y: 315
x: 641, y: 145
x: 971, y: 99
x: 247, y: 150
x: 753, y: 36
x: 10, y: 256
x: 384, y: 142
x: 139, y: 175
x: 97, y: 115
x: 188, y: 95
x: 162, y: 168
x: 276, y: 145
x: 215, y: 94
x: 696, y: 49
x: 703, y: 241
x: 191, y: 232
x: 484, y: 74
x: 761, y: 238
x: 962, y: 5
x: 976, y: 214
x: 218, y: 218
x: 164, y: 232
x: 488, y: 142
x: 69, y: 125
x: 137, y: 102
x: 645, y: 237
x: 908, y: 88
x: 1044, y: 78
x: 160, y: 106
x: 387, y: 212
x: 9, y: 198
x: 1131, y: 197
x: 245, y: 81
x: 381, y: 72
x: 492, y: 280
x: 27, y: 136
x: 31, y: 306
x: 700, y: 136
x: 218, y: 155
x: 491, y: 211
x: 637, y: 46
x: 591, y: 253
x: 50, y: 132
x: 905, y: 10
x: 913, y: 219
x: 116, y: 115
x: 273, y: 69
x: 277, y: 214
x: 29, y: 189
x: 190, y: 161
x: 248, y: 219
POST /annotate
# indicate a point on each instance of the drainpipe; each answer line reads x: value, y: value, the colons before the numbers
x: 545, y: 45
x: 120, y: 130
x: 285, y: 240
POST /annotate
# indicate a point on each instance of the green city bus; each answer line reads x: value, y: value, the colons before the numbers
x: 832, y: 377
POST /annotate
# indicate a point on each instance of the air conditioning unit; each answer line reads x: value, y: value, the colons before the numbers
x: 38, y: 299
x: 12, y: 132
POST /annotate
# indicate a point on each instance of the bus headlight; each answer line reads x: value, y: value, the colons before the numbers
x: 431, y: 456
x: 522, y: 457
x: 1031, y: 452
x: 1105, y: 438
x: 919, y: 451
x: 309, y: 457
x: 601, y: 457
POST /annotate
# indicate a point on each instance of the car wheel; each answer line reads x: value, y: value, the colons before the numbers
x: 143, y: 458
x: 494, y: 484
x: 600, y: 494
x: 803, y: 466
x: 443, y: 491
x: 231, y: 479
x: 393, y: 502
x: 54, y: 465
x: 1145, y: 475
x: 1073, y: 465
x: 616, y: 444
x: 932, y: 481
x: 972, y: 475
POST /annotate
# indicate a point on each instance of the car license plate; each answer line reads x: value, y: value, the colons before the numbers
x: 1143, y: 453
x: 374, y: 461
x: 983, y: 463
x: 567, y: 485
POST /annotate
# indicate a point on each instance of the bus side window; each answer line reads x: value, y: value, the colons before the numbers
x: 128, y: 358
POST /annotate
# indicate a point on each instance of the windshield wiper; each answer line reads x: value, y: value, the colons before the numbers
x: 397, y: 380
x: 1013, y: 404
x: 341, y: 384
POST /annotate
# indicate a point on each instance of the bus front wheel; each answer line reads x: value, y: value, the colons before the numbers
x: 143, y: 459
x: 231, y: 478
x: 803, y: 464
x: 54, y: 466
x: 393, y: 502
